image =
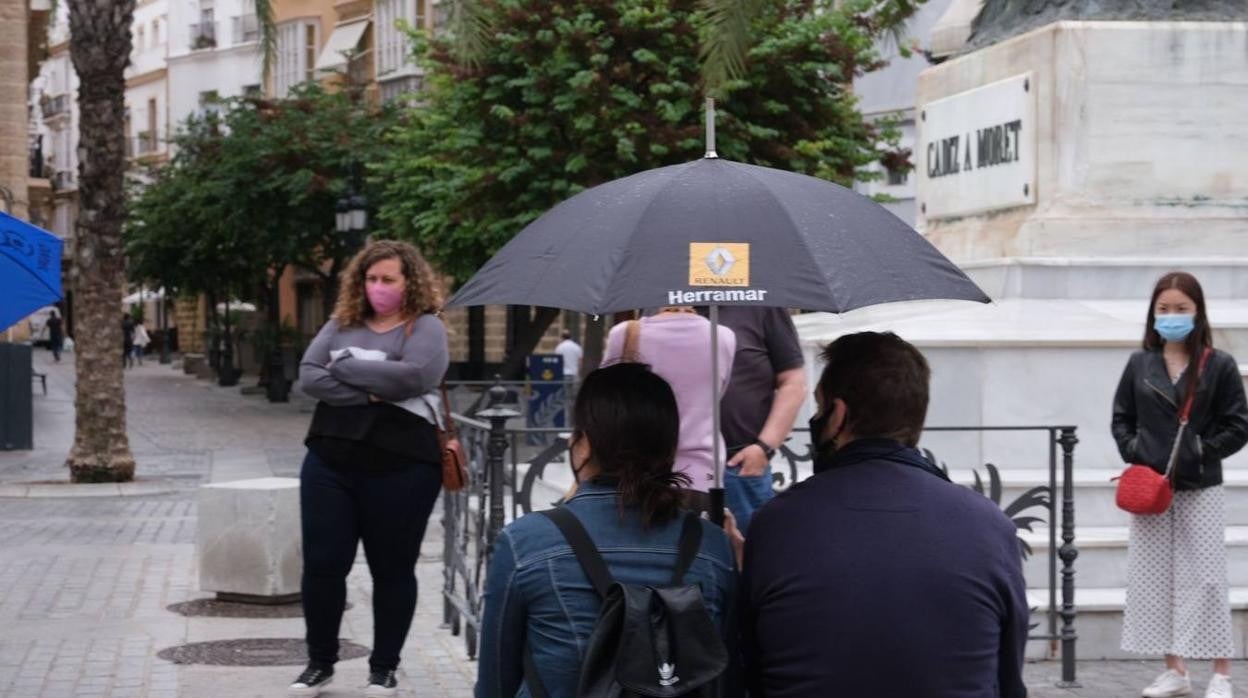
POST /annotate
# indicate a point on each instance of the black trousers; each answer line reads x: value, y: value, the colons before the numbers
x: 388, y: 511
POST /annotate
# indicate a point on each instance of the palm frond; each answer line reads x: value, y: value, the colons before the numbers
x: 469, y: 28
x: 726, y: 40
x: 268, y: 38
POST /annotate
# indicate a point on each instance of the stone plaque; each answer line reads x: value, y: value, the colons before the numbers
x: 977, y: 150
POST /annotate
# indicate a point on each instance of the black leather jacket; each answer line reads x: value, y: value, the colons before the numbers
x: 1146, y: 418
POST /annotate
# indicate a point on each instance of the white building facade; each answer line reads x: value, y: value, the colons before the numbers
x: 214, y: 53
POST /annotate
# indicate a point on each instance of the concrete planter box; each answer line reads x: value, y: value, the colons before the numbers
x: 248, y: 541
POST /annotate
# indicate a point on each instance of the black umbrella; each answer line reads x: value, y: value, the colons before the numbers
x: 716, y: 232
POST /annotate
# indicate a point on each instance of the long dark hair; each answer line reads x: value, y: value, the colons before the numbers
x: 629, y: 415
x: 1201, y: 336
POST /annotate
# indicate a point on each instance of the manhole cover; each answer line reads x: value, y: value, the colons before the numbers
x: 252, y: 652
x: 215, y: 608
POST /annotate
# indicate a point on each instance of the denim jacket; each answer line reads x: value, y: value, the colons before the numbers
x: 536, y: 592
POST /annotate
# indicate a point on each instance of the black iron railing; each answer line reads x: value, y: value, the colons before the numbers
x: 506, y: 464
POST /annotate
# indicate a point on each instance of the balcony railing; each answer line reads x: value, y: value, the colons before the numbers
x: 145, y: 143
x: 63, y: 179
x: 55, y: 106
x: 246, y: 29
x: 203, y: 35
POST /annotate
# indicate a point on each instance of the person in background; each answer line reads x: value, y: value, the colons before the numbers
x: 141, y: 340
x: 373, y: 468
x: 877, y: 576
x: 571, y: 353
x: 765, y: 392
x: 675, y: 344
x: 538, y: 598
x: 1178, y: 604
x: 127, y: 340
x: 56, y: 335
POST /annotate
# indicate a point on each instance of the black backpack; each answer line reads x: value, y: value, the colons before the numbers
x: 648, y: 641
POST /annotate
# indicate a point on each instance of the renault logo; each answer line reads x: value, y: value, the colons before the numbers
x: 719, y: 264
x: 720, y: 261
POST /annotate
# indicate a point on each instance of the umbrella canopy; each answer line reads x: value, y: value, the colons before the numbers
x: 716, y: 232
x: 30, y: 269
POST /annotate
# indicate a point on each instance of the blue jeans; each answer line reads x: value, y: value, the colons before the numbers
x: 744, y: 495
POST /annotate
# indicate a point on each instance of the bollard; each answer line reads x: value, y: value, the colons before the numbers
x: 1068, y: 553
x: 496, y: 450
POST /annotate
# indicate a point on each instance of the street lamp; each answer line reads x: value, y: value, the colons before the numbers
x: 351, y: 218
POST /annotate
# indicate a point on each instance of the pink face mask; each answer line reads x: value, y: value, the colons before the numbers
x: 384, y: 299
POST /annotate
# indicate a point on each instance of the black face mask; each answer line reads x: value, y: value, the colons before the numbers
x: 823, y: 450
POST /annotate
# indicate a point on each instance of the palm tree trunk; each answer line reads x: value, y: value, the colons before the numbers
x: 100, y: 47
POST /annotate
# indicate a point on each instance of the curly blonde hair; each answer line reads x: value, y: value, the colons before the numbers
x: 423, y: 294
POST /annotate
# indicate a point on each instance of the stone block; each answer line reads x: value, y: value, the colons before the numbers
x: 248, y: 541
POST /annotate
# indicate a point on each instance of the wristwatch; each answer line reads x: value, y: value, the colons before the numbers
x: 767, y: 450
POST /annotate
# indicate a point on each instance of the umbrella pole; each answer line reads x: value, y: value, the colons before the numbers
x: 717, y: 492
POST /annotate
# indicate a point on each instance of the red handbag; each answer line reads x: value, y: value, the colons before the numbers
x: 1142, y: 490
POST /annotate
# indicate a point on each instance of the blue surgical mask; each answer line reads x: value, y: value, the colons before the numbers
x: 1174, y: 328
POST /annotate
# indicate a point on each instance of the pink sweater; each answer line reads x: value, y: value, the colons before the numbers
x: 677, y: 346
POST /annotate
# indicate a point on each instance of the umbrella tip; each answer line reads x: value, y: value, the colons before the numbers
x: 710, y: 129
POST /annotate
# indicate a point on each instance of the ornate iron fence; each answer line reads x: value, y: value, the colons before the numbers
x: 504, y: 466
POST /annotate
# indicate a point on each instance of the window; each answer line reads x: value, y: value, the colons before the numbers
x: 296, y: 55
x: 897, y: 178
x: 390, y: 42
x: 155, y: 32
x: 251, y: 90
x: 406, y: 89
x: 138, y: 40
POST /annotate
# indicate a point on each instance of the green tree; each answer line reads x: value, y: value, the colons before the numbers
x: 252, y: 191
x: 566, y: 95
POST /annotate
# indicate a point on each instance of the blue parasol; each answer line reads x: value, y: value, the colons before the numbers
x: 30, y: 269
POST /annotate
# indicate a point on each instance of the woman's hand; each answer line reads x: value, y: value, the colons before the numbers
x: 734, y: 537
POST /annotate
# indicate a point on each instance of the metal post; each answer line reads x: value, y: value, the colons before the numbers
x: 164, y: 326
x: 717, y: 491
x: 496, y: 450
x: 278, y: 388
x: 1068, y: 554
x: 710, y: 128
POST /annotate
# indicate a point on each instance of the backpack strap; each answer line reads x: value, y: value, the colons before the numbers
x: 690, y: 543
x: 583, y: 546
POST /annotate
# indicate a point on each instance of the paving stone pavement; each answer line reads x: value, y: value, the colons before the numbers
x: 85, y: 582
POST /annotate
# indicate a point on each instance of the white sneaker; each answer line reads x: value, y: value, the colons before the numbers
x: 1219, y: 687
x: 1170, y: 683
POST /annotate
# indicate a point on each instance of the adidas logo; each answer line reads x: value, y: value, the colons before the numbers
x: 667, y: 675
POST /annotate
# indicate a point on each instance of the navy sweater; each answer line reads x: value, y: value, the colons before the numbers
x: 878, y: 578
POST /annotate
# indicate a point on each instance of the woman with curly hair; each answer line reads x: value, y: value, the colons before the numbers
x: 372, y: 471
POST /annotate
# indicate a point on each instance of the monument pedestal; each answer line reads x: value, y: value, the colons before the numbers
x: 1067, y: 169
x: 1133, y: 147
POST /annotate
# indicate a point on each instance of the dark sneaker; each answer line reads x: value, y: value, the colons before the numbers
x: 311, y: 682
x: 382, y: 684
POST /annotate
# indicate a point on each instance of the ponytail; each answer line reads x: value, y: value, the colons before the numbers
x: 630, y: 418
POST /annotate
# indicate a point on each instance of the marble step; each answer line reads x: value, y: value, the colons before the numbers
x: 1102, y: 561
x: 1094, y: 493
x: 1098, y: 623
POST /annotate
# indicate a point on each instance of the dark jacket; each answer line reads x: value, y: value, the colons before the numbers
x: 878, y: 578
x: 1146, y: 417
